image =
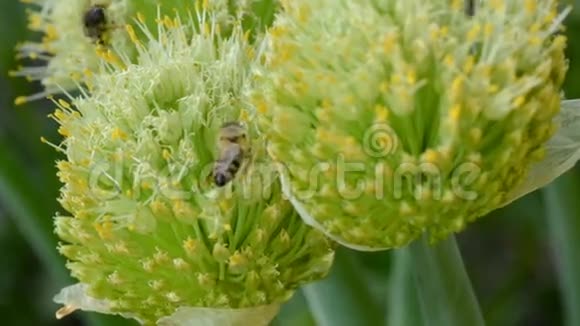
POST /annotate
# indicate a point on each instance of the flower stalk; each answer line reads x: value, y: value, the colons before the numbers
x: 445, y: 293
x: 562, y: 212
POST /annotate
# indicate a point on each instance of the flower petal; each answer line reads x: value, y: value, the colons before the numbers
x: 75, y: 297
x: 195, y: 316
x: 562, y: 152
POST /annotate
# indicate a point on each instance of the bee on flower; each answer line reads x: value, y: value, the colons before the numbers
x: 142, y: 238
x: 77, y: 35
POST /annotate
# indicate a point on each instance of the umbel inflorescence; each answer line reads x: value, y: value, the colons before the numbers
x: 77, y: 34
x: 380, y: 120
x: 395, y: 118
x: 147, y: 232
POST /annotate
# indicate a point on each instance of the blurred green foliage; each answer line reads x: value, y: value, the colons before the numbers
x: 509, y: 255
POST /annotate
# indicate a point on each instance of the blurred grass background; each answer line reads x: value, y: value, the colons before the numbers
x: 511, y: 256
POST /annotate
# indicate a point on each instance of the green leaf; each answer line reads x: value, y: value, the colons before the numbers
x: 444, y: 289
x: 563, y: 214
x: 343, y: 298
x: 403, y: 304
x: 23, y: 199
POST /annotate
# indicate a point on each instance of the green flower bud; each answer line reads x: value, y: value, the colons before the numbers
x: 77, y: 34
x: 395, y: 118
x: 148, y: 233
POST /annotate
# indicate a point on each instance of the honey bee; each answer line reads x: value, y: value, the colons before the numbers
x: 233, y: 145
x: 95, y: 23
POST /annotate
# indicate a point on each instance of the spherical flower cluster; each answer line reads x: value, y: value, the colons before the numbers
x: 75, y: 39
x: 147, y: 232
x: 395, y: 118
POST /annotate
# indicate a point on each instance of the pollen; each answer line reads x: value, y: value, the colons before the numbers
x: 35, y: 22
x: 411, y: 76
x: 118, y: 134
x: 20, y: 100
x: 206, y: 29
x: 51, y: 33
x: 431, y: 156
x: 132, y: 34
x: 104, y: 229
x: 190, y: 245
x: 64, y: 131
x: 519, y: 101
x: 64, y: 104
x: 277, y: 31
x: 141, y: 17
x: 488, y: 29
x: 535, y: 40
x: 457, y: 4
x: 109, y: 56
x: 473, y: 32
x: 468, y: 65
x: 455, y: 112
x: 166, y: 154
x: 390, y: 42
x: 381, y: 113
x: 384, y: 86
x: 457, y: 87
x: 492, y: 89
x: 449, y: 60
x: 237, y: 260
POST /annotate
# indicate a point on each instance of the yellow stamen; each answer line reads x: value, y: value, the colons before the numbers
x: 166, y: 154
x: 381, y: 113
x: 141, y: 18
x: 118, y: 134
x: 455, y: 112
x: 132, y: 35
x: 518, y: 101
x: 63, y: 131
x: 64, y: 104
x: 20, y: 100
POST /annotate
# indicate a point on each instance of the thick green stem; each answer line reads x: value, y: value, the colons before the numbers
x: 563, y: 214
x: 403, y: 303
x: 445, y: 293
x: 343, y: 298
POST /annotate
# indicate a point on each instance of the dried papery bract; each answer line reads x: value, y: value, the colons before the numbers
x: 147, y: 234
x: 395, y: 118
